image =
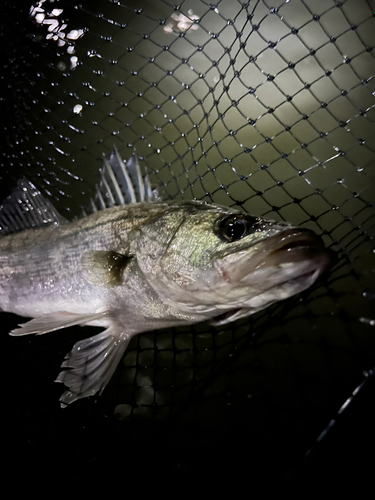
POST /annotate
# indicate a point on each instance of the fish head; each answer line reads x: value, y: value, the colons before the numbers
x: 216, y: 262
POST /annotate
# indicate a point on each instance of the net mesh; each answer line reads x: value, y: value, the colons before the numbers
x: 267, y: 105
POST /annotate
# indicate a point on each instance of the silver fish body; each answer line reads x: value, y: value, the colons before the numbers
x: 148, y: 265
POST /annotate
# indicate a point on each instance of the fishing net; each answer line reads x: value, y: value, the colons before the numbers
x: 267, y: 105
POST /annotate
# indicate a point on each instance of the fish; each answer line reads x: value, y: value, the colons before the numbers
x: 133, y: 263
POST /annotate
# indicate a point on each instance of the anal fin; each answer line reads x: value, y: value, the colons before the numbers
x: 55, y: 321
x: 89, y: 366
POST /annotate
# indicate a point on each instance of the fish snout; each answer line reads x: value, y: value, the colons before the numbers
x: 299, y: 244
x: 289, y: 252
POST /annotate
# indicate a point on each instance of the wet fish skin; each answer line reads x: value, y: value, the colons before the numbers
x: 42, y: 270
x: 43, y: 266
x: 144, y: 266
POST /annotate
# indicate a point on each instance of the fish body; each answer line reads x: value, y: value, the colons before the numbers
x: 43, y: 270
x: 140, y: 266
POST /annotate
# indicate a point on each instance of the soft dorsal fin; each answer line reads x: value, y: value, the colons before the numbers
x: 120, y: 183
x: 27, y: 208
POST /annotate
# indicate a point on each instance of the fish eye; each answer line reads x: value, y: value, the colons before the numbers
x: 235, y: 227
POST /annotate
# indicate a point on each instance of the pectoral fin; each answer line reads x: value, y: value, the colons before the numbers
x: 55, y: 321
x: 104, y: 268
x: 89, y: 366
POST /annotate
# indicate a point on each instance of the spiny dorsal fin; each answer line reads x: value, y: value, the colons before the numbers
x: 121, y: 183
x: 27, y: 208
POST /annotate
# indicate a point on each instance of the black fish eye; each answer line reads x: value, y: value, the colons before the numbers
x: 235, y: 227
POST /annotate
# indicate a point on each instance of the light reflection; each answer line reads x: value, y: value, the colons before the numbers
x: 179, y: 23
x: 77, y: 109
x: 56, y: 29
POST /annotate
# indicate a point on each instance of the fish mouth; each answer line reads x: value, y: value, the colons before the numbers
x: 292, y: 246
x: 299, y: 239
x: 288, y: 264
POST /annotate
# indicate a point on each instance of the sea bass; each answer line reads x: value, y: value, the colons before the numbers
x: 132, y: 264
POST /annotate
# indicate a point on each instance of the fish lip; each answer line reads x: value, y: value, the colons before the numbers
x: 295, y: 245
x: 301, y: 247
x: 299, y: 238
